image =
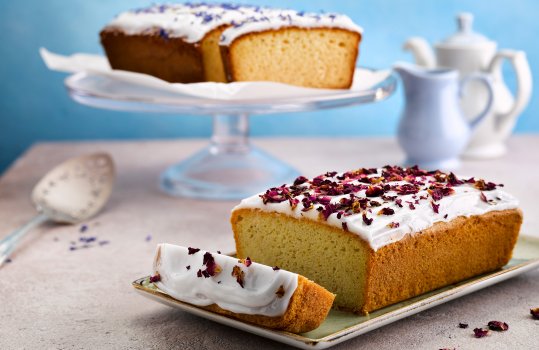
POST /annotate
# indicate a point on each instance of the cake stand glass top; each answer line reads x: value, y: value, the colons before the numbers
x: 230, y: 168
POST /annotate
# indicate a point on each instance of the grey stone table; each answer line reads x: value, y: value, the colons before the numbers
x: 54, y: 297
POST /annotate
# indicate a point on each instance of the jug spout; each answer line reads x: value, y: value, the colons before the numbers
x: 423, y: 54
x: 414, y: 76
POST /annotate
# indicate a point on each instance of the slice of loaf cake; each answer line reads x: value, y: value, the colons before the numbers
x: 305, y: 49
x: 242, y: 289
x: 376, y: 237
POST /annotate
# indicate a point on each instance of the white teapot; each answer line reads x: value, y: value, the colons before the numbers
x: 469, y: 52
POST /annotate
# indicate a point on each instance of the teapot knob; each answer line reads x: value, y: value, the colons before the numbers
x: 465, y: 22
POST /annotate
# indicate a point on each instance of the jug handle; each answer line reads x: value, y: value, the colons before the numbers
x: 487, y: 81
x: 524, y: 85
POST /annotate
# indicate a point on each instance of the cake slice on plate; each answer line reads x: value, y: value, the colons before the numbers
x: 242, y: 289
x: 379, y: 236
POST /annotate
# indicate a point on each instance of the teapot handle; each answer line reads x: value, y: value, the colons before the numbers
x: 506, y: 121
x: 487, y: 81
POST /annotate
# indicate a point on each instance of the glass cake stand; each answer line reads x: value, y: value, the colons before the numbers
x: 230, y: 167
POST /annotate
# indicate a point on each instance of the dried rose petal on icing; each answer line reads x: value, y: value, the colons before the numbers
x: 193, y: 250
x: 535, y: 313
x: 463, y: 325
x: 300, y: 180
x: 366, y: 220
x: 386, y: 211
x: 483, y: 197
x: 498, y: 326
x: 480, y: 332
x: 374, y: 191
x: 393, y: 225
x: 435, y: 207
x: 239, y: 274
x: 280, y: 292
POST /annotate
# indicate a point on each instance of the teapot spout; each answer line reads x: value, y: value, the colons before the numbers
x: 423, y: 54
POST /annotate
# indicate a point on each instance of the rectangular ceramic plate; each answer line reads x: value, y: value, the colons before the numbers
x: 340, y: 326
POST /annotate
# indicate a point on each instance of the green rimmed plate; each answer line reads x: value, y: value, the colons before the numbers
x: 340, y: 326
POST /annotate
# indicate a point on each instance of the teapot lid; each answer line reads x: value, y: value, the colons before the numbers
x: 465, y: 37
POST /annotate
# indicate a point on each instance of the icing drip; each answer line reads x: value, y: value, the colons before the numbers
x: 383, y: 205
x: 240, y: 287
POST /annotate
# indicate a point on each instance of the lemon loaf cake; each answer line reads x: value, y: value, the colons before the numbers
x: 242, y: 289
x: 375, y: 237
x: 188, y: 43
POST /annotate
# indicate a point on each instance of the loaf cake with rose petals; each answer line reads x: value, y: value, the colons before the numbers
x: 242, y: 289
x: 188, y: 43
x: 379, y: 236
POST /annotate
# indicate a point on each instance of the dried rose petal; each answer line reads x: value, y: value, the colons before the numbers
x: 435, y: 207
x: 280, y: 292
x: 480, y: 332
x: 212, y: 268
x: 199, y: 273
x: 393, y: 225
x: 239, y: 274
x: 247, y: 261
x: 483, y: 197
x: 276, y: 268
x: 498, y: 326
x: 463, y: 325
x: 453, y: 180
x: 188, y: 267
x: 300, y: 180
x: 484, y: 186
x: 193, y: 250
x: 406, y: 189
x: 398, y: 202
x: 535, y: 313
x: 374, y: 191
x: 386, y: 211
x: 366, y: 220
x: 155, y: 278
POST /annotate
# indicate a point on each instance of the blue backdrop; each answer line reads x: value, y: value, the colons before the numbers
x: 34, y: 104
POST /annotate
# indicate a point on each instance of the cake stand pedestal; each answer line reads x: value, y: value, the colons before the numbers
x: 229, y: 168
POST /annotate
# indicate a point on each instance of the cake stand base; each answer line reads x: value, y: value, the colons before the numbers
x: 212, y: 174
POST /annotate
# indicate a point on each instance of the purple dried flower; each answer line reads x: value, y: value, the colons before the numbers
x: 83, y: 228
x: 148, y: 238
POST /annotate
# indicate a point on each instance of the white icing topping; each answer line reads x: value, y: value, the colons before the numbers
x: 276, y: 19
x: 193, y: 21
x: 257, y: 297
x: 464, y: 201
